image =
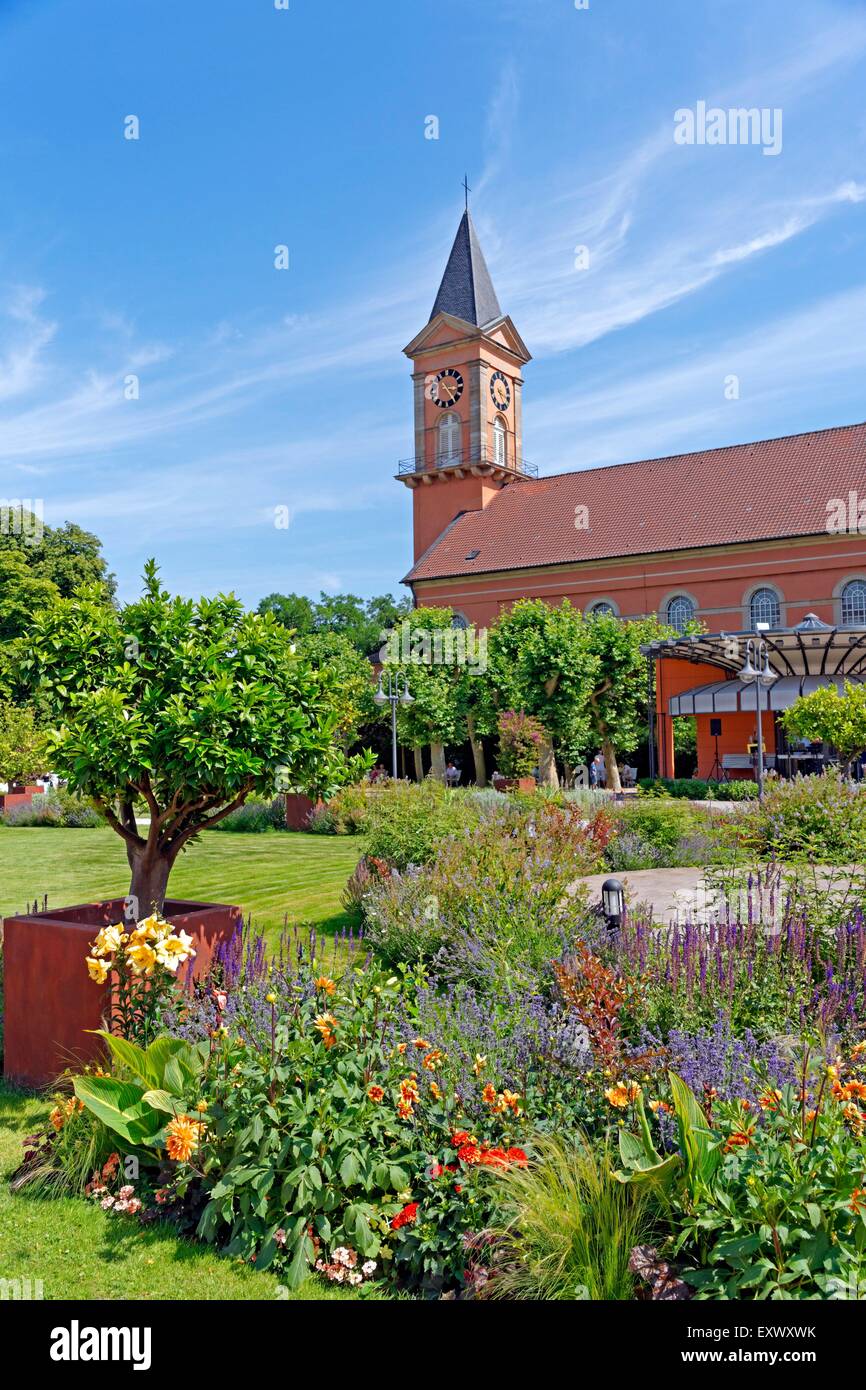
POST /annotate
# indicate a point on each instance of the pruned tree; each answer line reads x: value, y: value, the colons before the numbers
x: 436, y: 716
x: 830, y: 717
x: 540, y: 665
x: 185, y: 708
x: 618, y: 686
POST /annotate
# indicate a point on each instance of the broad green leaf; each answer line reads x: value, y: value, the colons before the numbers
x: 121, y: 1107
x: 131, y: 1057
x: 696, y: 1138
x: 161, y: 1100
x: 349, y: 1169
x: 661, y: 1173
x: 300, y: 1264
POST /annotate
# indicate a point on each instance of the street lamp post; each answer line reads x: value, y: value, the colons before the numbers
x: 757, y: 672
x: 396, y: 694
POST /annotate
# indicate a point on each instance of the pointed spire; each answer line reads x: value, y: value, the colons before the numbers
x: 467, y: 290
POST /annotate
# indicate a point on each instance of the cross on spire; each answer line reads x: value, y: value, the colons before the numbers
x: 466, y: 189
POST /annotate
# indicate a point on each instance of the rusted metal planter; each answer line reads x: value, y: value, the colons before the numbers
x: 50, y: 1000
x: 298, y: 808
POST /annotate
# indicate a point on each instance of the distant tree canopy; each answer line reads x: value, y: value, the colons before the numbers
x: 39, y: 565
x: 362, y: 622
x: 65, y: 556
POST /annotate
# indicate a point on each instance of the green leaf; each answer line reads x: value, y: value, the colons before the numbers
x: 130, y: 1057
x: 660, y: 1173
x: 696, y: 1138
x: 173, y: 1077
x: 161, y: 1100
x: 300, y: 1263
x: 349, y: 1169
x: 121, y: 1107
x: 632, y: 1151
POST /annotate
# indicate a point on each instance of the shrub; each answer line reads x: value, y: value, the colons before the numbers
x: 60, y: 809
x: 566, y: 1228
x: 696, y: 789
x: 322, y: 821
x: 521, y: 738
x: 495, y: 895
x: 347, y: 812
x: 407, y: 821
x: 367, y: 872
x: 256, y: 817
x: 808, y: 819
x: 651, y: 833
x: 740, y: 789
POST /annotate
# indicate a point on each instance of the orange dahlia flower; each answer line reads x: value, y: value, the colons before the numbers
x: 183, y: 1138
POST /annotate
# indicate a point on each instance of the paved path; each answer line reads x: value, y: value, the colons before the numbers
x: 682, y: 894
x: 670, y: 893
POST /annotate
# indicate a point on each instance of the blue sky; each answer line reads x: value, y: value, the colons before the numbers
x: 262, y: 388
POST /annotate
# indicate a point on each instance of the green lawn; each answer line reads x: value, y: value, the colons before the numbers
x: 267, y: 875
x: 80, y: 1252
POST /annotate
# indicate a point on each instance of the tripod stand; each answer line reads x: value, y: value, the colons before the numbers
x: 717, y: 772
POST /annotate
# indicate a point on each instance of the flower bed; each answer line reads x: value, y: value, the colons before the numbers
x: 433, y: 1103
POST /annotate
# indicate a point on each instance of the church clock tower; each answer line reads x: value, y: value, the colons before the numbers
x: 466, y: 374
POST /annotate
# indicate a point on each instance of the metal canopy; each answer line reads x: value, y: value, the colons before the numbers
x: 812, y: 648
x: 730, y: 696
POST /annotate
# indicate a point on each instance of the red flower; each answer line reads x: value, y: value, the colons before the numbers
x: 405, y: 1217
x: 517, y: 1156
x: 469, y: 1153
x: 493, y: 1158
x: 436, y: 1170
x: 459, y: 1137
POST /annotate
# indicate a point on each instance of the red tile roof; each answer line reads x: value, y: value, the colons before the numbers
x: 772, y: 489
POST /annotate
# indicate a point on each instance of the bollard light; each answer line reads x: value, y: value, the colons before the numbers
x: 613, y: 903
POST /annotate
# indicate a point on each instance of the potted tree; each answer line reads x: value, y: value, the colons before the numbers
x: 521, y: 739
x: 169, y: 714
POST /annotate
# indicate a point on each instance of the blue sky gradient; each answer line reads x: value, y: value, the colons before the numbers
x: 262, y: 388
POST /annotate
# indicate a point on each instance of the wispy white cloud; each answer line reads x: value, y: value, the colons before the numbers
x: 21, y: 361
x: 650, y: 410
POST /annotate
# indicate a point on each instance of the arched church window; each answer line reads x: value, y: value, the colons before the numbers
x: 764, y: 608
x: 680, y: 611
x: 854, y: 603
x: 603, y: 608
x: 500, y: 437
x: 449, y: 438
x: 460, y: 621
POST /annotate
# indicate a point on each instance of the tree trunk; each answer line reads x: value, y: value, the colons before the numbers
x: 419, y: 764
x: 477, y: 753
x: 150, y: 871
x: 611, y: 768
x: 547, y: 773
x: 437, y: 761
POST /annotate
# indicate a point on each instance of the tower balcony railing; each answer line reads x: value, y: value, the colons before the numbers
x: 445, y: 462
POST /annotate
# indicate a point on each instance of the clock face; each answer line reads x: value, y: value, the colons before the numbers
x: 500, y: 390
x: 446, y: 388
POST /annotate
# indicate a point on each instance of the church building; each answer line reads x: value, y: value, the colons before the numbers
x: 749, y: 539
